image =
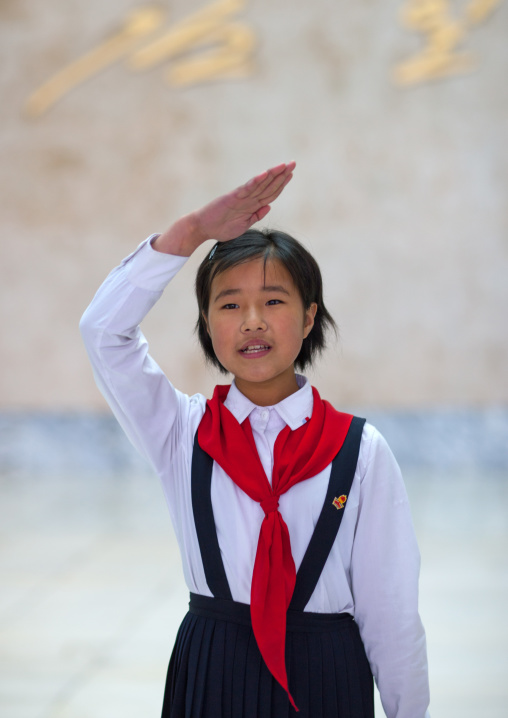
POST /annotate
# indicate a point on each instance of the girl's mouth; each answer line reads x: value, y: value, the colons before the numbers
x: 255, y: 349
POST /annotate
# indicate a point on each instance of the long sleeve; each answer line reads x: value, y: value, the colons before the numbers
x: 150, y: 410
x: 384, y: 575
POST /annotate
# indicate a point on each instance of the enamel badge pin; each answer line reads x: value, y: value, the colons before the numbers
x: 339, y: 503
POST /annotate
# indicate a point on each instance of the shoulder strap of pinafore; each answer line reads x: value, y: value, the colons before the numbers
x: 339, y: 485
x: 341, y: 477
x: 201, y: 482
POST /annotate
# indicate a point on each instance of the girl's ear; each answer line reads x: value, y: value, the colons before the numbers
x: 310, y: 315
x: 206, y: 323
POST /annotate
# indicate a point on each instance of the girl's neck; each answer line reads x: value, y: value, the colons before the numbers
x: 270, y: 392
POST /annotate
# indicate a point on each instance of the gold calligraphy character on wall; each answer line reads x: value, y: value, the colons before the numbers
x: 218, y: 48
x: 441, y: 57
x: 138, y: 25
x: 232, y: 46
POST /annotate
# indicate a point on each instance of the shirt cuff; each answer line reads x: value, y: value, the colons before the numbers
x: 148, y: 269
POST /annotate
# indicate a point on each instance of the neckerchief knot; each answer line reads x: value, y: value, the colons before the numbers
x: 270, y: 504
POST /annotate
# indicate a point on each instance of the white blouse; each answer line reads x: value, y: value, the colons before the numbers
x: 372, y: 570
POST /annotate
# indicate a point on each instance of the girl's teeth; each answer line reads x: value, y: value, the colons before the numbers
x: 257, y: 348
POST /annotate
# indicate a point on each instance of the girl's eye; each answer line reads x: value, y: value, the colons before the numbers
x: 230, y: 306
x: 274, y: 301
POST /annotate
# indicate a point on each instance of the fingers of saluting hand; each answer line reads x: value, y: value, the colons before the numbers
x: 268, y: 185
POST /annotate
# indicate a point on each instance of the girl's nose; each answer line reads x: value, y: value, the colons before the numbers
x: 253, y: 322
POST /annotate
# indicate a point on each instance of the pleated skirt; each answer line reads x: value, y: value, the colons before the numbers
x: 216, y: 669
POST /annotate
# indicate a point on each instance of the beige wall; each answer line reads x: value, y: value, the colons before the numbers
x: 400, y: 191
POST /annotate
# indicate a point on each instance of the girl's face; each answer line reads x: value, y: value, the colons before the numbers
x: 257, y: 323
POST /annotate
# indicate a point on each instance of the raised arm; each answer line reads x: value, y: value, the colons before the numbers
x: 154, y: 415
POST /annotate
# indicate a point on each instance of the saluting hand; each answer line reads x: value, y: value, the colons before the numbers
x: 228, y: 216
x: 232, y: 214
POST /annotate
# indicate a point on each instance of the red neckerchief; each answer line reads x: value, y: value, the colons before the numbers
x: 298, y: 455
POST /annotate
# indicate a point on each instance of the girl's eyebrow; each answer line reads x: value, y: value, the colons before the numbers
x: 275, y: 288
x: 266, y: 288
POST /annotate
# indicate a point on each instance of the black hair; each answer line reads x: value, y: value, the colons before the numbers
x: 266, y: 245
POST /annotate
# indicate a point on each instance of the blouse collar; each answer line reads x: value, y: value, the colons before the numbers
x: 294, y: 410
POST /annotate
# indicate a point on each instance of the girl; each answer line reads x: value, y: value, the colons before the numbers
x: 292, y: 518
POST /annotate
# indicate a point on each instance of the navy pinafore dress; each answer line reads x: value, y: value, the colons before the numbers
x: 216, y: 669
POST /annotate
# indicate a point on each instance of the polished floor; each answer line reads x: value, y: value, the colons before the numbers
x: 91, y: 594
